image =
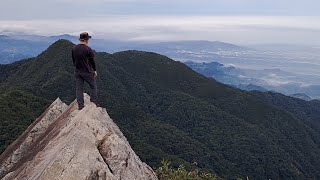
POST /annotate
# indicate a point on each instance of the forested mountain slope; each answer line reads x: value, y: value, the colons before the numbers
x: 166, y: 110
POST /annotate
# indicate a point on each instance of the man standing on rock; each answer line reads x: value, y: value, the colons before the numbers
x: 85, y: 69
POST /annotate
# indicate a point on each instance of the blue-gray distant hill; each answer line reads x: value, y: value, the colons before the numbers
x: 16, y: 49
x: 32, y: 45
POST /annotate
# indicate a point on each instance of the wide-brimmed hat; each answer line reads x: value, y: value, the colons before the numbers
x: 84, y: 36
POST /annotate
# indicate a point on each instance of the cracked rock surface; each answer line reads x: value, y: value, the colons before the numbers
x: 65, y: 143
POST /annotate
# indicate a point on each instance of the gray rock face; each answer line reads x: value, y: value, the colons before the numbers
x: 65, y: 143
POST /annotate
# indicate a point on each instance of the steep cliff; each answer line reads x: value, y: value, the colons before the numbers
x: 65, y: 143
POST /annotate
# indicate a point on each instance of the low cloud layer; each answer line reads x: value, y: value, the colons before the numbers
x: 234, y: 29
x: 235, y: 21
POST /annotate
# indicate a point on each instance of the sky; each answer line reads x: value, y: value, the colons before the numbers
x: 234, y: 21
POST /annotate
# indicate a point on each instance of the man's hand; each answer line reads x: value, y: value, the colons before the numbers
x: 95, y: 74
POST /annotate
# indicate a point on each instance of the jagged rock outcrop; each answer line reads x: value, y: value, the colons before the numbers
x: 65, y: 143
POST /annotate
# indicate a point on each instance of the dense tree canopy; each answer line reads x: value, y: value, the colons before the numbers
x: 166, y: 110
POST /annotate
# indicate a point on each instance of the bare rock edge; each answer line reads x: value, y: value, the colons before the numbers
x: 65, y: 143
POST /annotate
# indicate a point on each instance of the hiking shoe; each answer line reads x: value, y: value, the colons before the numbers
x: 80, y: 107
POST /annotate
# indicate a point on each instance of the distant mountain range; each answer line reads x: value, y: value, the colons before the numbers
x: 167, y: 110
x: 242, y: 67
x: 32, y: 45
x: 15, y: 49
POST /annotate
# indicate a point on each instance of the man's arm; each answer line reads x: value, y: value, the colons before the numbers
x: 93, y: 64
x: 91, y: 60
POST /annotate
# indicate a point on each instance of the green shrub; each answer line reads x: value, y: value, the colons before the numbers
x: 166, y: 172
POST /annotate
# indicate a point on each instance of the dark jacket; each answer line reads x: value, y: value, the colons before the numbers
x: 83, y: 58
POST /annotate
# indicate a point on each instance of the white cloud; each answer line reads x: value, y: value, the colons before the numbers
x: 236, y: 29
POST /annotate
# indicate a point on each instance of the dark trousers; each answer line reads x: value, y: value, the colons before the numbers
x: 91, y: 80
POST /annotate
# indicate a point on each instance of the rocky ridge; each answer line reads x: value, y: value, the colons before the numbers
x: 65, y: 143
